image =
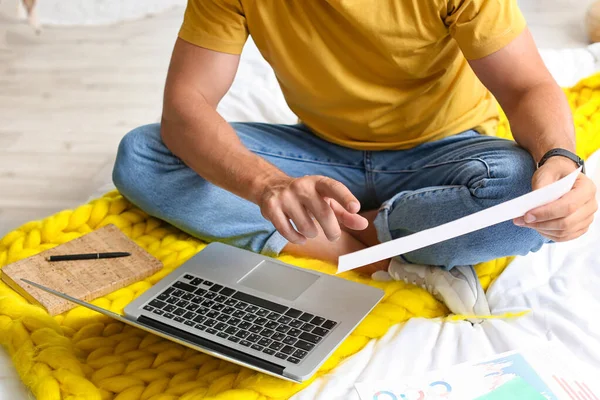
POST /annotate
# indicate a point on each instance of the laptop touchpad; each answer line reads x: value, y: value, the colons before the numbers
x: 279, y: 280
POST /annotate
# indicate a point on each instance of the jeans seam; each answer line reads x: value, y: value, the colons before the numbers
x: 304, y: 160
x: 487, y: 166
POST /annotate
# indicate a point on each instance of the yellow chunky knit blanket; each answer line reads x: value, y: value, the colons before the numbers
x: 82, y: 355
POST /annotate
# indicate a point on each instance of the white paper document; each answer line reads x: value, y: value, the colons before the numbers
x: 491, y: 216
x: 546, y: 372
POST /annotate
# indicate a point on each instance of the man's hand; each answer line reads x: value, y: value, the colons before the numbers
x: 568, y: 217
x: 304, y: 200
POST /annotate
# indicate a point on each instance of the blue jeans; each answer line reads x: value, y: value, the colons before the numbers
x: 413, y: 189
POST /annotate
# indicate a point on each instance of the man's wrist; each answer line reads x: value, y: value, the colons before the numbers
x: 262, y: 182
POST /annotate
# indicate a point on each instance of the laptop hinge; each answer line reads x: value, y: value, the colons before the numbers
x: 213, y: 346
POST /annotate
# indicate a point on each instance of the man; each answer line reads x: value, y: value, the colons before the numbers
x: 396, y: 116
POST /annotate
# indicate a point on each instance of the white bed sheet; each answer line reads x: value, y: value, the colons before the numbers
x: 559, y: 283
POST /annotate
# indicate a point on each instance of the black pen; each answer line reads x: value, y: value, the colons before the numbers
x: 91, y: 256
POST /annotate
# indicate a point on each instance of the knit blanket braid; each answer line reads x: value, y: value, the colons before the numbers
x: 83, y: 355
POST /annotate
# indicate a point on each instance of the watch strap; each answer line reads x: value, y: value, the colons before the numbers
x: 563, y: 153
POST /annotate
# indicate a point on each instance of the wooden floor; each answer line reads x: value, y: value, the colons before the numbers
x: 69, y: 95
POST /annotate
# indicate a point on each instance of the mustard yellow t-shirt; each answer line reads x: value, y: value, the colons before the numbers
x: 369, y: 74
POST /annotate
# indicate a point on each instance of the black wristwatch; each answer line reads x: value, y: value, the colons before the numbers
x: 563, y: 153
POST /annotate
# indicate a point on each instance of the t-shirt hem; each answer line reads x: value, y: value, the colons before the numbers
x: 211, y: 42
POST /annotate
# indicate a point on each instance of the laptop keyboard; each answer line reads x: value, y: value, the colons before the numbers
x: 261, y: 325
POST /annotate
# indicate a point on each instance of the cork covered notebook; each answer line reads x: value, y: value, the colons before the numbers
x: 82, y: 279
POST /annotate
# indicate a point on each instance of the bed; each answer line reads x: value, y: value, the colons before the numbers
x: 558, y: 283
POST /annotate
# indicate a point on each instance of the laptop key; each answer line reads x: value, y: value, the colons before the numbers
x: 196, y: 281
x: 271, y: 325
x: 262, y: 312
x: 168, y: 290
x: 255, y: 328
x: 249, y: 317
x: 261, y: 321
x: 162, y: 296
x: 179, y: 319
x: 221, y: 299
x: 208, y: 303
x: 188, y: 277
x: 251, y: 309
x: 222, y: 317
x: 287, y: 350
x: 276, y: 345
x: 201, y: 327
x: 307, y: 327
x: 281, y: 355
x: 227, y: 291
x: 200, y: 319
x: 157, y: 303
x: 244, y: 325
x: 265, y: 342
x: 218, y: 306
x: 284, y: 320
x: 211, y: 331
x: 189, y: 315
x: 220, y: 326
x: 232, y: 330
x: 273, y: 316
x: 200, y: 292
x: 202, y: 310
x: 170, y: 308
x: 241, y: 305
x: 238, y: 314
x: 222, y: 335
x: 178, y: 293
x: 293, y: 360
x: 210, y: 322
x: 169, y: 315
x: 289, y: 340
x: 268, y: 351
x: 257, y: 301
x: 320, y: 331
x: 209, y: 295
x: 309, y: 337
x: 231, y: 302
x: 301, y: 344
x: 197, y: 300
x: 228, y: 310
x: 242, y: 334
x: 234, y: 321
x: 253, y: 337
x: 212, y: 314
x: 245, y: 343
x: 184, y: 286
x: 192, y: 307
x: 188, y: 296
x: 148, y: 308
x: 190, y: 323
x: 207, y: 283
x: 317, y: 321
x: 216, y: 288
x: 283, y: 328
x: 292, y: 312
x: 158, y: 312
x: 306, y: 317
x: 173, y: 300
x: 266, y: 332
x: 294, y: 332
x: 296, y: 323
x: 300, y: 353
x: 256, y: 347
x: 328, y: 324
x: 278, y: 336
x: 233, y: 339
x: 183, y: 303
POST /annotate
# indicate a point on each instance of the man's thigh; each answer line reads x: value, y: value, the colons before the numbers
x: 491, y: 168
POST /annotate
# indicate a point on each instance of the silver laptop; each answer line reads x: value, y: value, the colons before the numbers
x: 249, y: 309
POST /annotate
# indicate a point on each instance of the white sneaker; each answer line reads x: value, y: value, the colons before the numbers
x: 458, y: 288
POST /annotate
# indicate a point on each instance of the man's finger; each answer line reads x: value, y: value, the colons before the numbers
x: 324, y: 215
x: 300, y: 217
x: 575, y: 221
x: 283, y: 226
x: 564, y: 238
x: 351, y: 221
x: 331, y: 188
x: 560, y: 208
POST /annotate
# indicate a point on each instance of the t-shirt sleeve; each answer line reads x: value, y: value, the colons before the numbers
x: 482, y: 27
x: 218, y: 25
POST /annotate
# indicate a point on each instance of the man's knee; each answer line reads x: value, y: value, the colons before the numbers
x: 134, y: 152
